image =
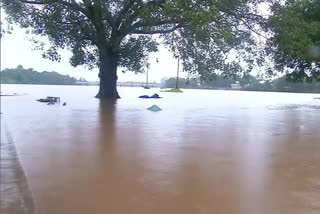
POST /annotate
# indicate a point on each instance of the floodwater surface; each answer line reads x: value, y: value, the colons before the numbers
x: 227, y: 152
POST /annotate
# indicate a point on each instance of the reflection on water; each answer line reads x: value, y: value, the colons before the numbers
x: 206, y: 152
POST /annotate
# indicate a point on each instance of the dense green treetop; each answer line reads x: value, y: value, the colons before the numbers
x: 295, y: 43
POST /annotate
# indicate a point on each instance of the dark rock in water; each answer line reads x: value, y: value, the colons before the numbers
x: 317, y: 98
x: 50, y: 100
x: 155, y: 96
x: 154, y: 108
x: 64, y: 104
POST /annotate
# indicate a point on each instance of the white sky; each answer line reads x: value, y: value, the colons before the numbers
x: 16, y: 50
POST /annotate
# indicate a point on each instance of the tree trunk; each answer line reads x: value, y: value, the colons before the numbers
x: 108, y: 75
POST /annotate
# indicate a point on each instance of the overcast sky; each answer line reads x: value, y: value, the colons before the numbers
x: 16, y: 50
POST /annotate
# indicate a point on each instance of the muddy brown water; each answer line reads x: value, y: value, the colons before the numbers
x: 225, y: 152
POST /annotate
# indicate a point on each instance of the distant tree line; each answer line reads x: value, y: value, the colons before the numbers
x: 216, y: 82
x: 248, y: 82
x: 284, y: 84
x: 20, y: 75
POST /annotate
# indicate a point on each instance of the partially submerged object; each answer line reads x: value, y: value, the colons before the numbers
x: 154, y: 108
x: 317, y: 98
x: 50, y: 100
x: 155, y: 96
x: 144, y: 97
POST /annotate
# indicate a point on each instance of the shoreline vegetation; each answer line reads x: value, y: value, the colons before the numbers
x: 246, y: 83
x: 21, y: 75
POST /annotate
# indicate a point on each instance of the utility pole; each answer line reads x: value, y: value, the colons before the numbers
x: 147, y: 80
x: 177, y: 82
x: 147, y: 76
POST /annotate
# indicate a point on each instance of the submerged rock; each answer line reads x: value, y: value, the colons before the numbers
x: 155, y: 96
x: 49, y: 100
x: 154, y: 108
x: 144, y: 97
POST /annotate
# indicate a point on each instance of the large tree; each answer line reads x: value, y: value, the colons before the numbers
x: 120, y: 33
x: 295, y: 41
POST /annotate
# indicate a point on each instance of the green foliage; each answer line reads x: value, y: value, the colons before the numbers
x: 295, y: 44
x: 202, y: 32
x: 174, y: 90
x: 182, y: 83
x: 248, y: 82
x: 218, y: 81
x: 287, y: 85
x: 20, y: 75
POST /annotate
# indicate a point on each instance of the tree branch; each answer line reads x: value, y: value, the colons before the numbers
x: 253, y: 30
x: 156, y: 2
x: 33, y: 2
x: 156, y: 23
x: 123, y: 12
x: 127, y: 26
x: 244, y: 21
x: 109, y: 18
x: 150, y: 3
x: 74, y: 6
x: 126, y: 8
x: 87, y: 36
x: 156, y: 31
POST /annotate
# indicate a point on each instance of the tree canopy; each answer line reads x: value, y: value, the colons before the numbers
x: 295, y: 44
x: 120, y: 33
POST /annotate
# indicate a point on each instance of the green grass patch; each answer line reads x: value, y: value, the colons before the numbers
x: 174, y: 90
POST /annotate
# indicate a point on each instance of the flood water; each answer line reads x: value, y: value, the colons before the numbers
x: 224, y: 152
